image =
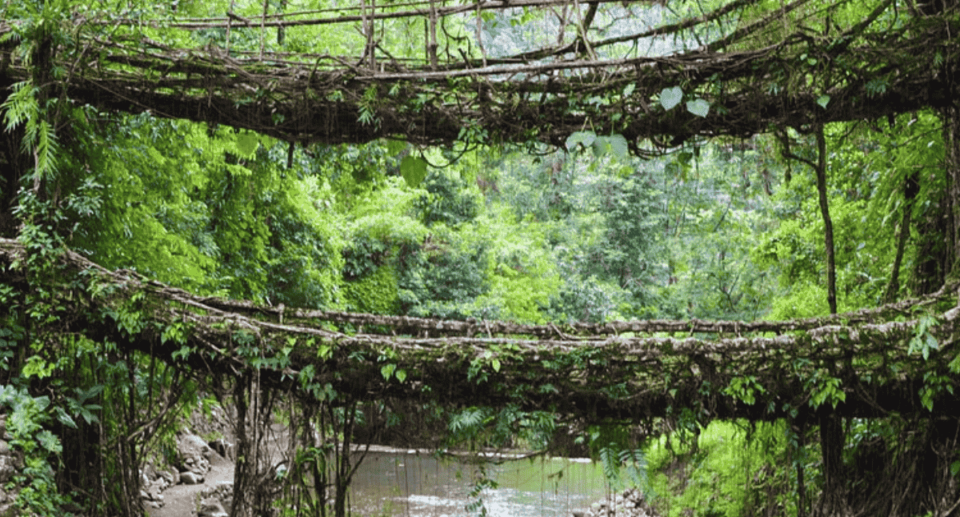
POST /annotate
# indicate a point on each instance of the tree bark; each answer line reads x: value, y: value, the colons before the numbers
x: 821, y: 169
x: 833, y: 500
x: 245, y: 469
x: 951, y: 162
x: 911, y: 187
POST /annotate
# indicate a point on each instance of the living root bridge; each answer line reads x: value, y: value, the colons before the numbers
x: 861, y: 362
x: 866, y: 72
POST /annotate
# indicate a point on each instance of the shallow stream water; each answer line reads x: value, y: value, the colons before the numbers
x: 400, y: 483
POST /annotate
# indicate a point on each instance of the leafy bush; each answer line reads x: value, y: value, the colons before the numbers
x: 375, y: 293
x: 727, y: 470
x: 447, y: 201
x: 38, y: 494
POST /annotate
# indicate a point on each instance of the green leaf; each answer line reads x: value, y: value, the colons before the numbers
x: 401, y: 375
x: 247, y: 144
x: 394, y: 147
x: 584, y: 138
x: 698, y: 107
x: 670, y: 97
x: 613, y: 144
x: 49, y: 442
x: 387, y: 370
x: 823, y: 100
x: 65, y: 418
x: 325, y: 352
x: 496, y: 365
x: 414, y: 170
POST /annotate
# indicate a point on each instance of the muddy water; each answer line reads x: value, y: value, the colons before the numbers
x: 418, y: 484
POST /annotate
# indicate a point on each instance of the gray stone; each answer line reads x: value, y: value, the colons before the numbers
x: 150, y: 472
x: 167, y: 476
x: 212, y: 509
x: 222, y: 447
x: 194, y: 454
x: 190, y: 478
x: 7, y: 469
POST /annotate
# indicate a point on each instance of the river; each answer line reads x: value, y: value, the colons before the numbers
x: 398, y: 483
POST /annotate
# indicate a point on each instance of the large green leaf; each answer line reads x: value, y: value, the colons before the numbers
x: 613, y: 144
x: 247, y: 144
x: 413, y: 169
x: 585, y: 138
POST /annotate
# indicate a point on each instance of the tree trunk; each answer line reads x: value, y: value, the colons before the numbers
x: 911, y: 188
x: 821, y: 168
x: 244, y: 473
x: 951, y: 162
x: 833, y: 500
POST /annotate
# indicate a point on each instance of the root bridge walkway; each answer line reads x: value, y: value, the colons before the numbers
x: 896, y: 358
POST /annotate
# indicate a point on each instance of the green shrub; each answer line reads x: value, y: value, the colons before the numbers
x: 727, y: 470
x: 375, y: 293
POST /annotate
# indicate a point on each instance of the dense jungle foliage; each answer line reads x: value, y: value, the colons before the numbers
x: 728, y: 228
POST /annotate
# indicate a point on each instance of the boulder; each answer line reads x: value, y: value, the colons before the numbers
x: 222, y: 447
x: 170, y: 477
x: 190, y: 478
x: 193, y: 454
x: 212, y: 509
x: 7, y: 468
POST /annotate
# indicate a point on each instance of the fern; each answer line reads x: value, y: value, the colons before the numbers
x: 21, y: 105
x: 21, y: 108
x: 47, y: 148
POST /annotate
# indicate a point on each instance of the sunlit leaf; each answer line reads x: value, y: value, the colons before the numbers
x: 670, y: 97
x: 613, y: 144
x: 584, y: 138
x: 394, y: 147
x: 414, y: 170
x: 823, y: 100
x: 247, y: 144
x: 698, y: 107
x: 387, y: 370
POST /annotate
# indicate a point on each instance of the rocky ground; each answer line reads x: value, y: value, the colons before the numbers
x: 200, y: 482
x: 630, y: 503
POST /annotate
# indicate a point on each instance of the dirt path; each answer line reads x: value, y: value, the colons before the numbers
x: 181, y: 500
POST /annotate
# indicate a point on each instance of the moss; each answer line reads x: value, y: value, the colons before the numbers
x: 375, y: 293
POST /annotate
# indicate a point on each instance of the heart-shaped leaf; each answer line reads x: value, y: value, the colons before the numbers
x: 413, y: 170
x: 670, y: 97
x: 613, y: 144
x: 247, y: 144
x: 585, y: 138
x: 698, y: 107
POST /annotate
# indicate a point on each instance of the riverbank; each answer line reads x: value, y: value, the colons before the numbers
x: 629, y: 503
